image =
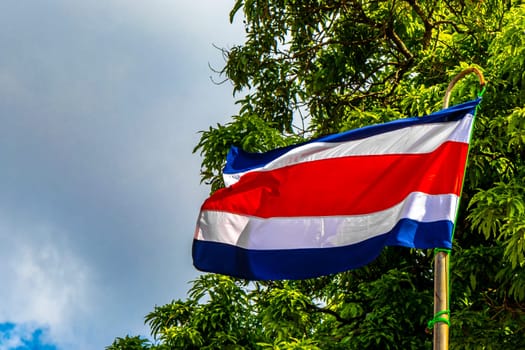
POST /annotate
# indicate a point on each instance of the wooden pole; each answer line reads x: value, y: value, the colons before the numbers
x: 441, y: 329
x: 441, y: 259
x: 461, y: 75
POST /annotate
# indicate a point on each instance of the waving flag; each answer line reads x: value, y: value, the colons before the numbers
x: 332, y: 204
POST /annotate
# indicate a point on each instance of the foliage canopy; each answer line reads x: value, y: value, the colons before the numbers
x: 309, y: 68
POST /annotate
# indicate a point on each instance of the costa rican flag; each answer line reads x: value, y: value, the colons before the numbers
x: 333, y: 203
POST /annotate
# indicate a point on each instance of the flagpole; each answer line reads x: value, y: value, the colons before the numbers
x: 441, y: 259
x: 441, y: 329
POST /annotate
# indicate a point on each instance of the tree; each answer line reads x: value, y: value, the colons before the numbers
x: 310, y: 68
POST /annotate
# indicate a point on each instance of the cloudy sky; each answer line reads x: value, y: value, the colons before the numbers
x: 101, y: 102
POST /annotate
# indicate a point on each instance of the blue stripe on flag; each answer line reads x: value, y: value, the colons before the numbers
x: 239, y: 160
x: 307, y: 263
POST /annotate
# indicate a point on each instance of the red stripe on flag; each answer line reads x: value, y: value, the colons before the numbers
x: 343, y: 186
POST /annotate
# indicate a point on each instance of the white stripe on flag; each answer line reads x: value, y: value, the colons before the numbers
x: 422, y: 138
x: 319, y: 232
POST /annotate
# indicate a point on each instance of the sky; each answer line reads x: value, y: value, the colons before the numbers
x: 101, y: 102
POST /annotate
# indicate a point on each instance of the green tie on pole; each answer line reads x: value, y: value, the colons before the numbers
x: 441, y: 321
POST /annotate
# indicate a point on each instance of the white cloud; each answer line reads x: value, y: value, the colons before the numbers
x: 47, y: 283
x: 100, y: 104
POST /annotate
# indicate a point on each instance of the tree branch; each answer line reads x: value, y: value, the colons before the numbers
x: 452, y: 23
x: 391, y: 34
x: 338, y: 317
x: 426, y: 22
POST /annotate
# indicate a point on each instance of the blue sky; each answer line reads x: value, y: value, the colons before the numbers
x: 100, y: 107
x: 24, y: 337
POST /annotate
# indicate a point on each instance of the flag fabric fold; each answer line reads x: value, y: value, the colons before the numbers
x: 333, y: 203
